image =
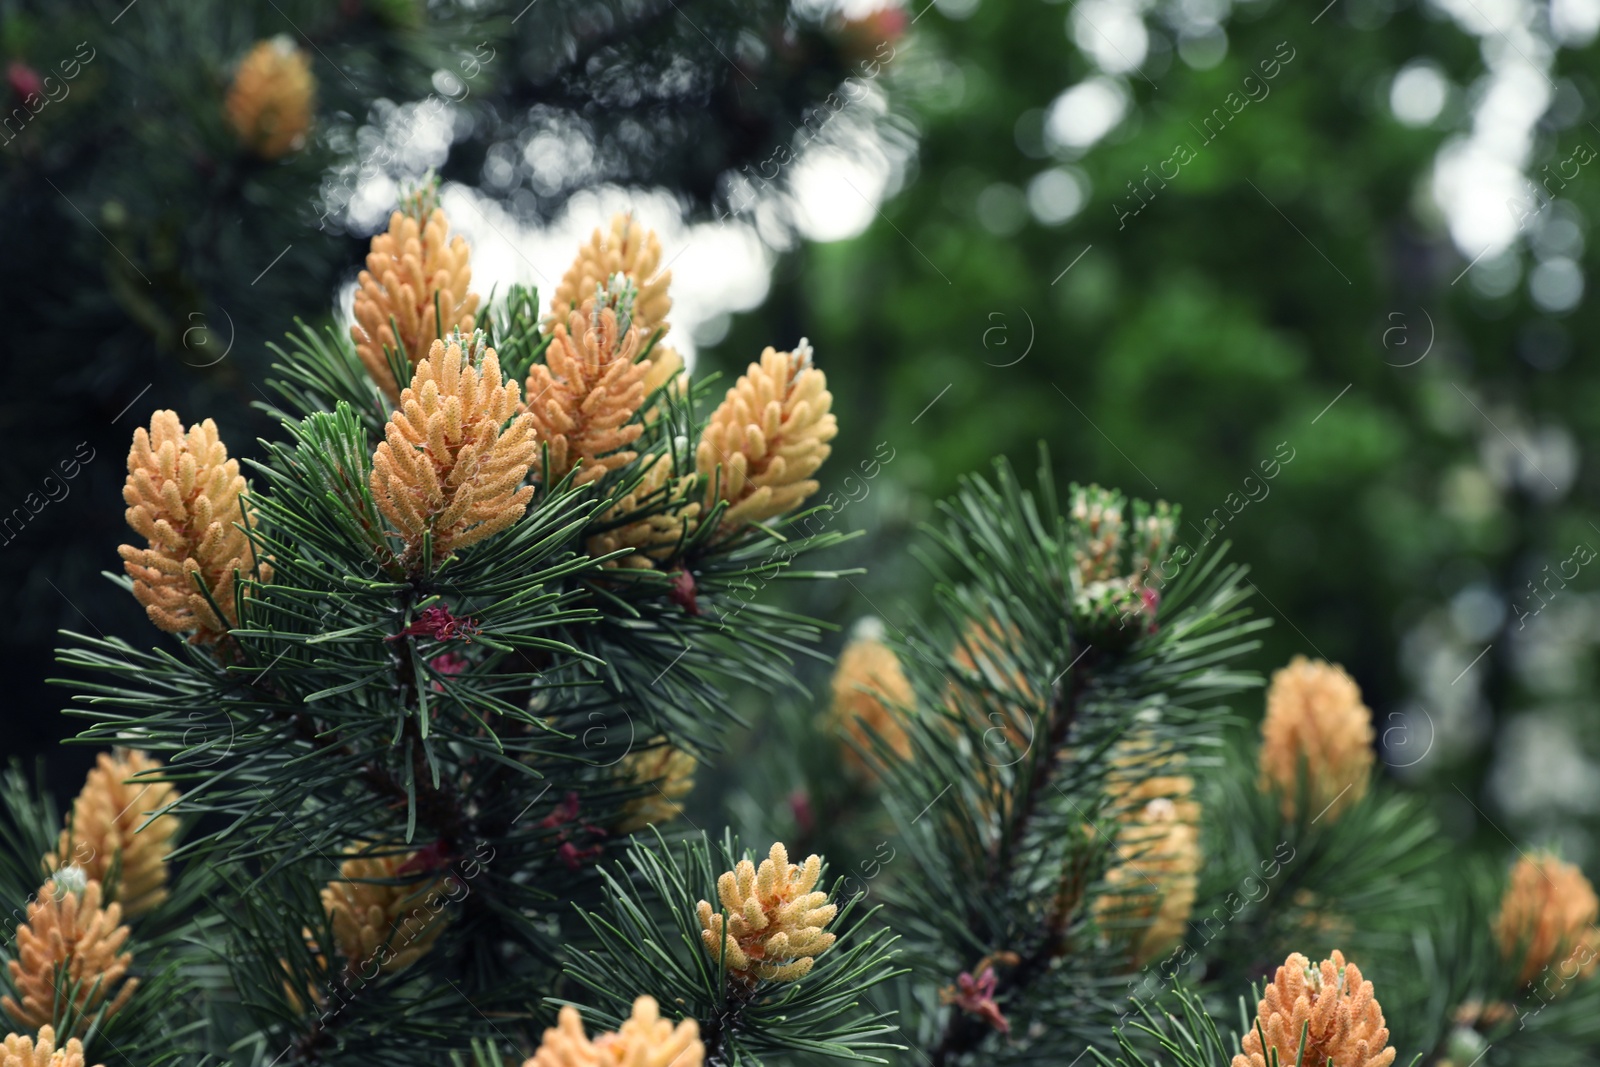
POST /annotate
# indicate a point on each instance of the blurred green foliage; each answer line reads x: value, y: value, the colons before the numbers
x: 1269, y: 297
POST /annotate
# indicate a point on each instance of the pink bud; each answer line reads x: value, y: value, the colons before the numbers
x: 24, y: 79
x: 800, y: 808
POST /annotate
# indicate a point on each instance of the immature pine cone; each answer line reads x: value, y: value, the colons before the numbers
x: 105, y: 830
x: 645, y: 1040
x: 668, y: 775
x: 866, y: 681
x: 1315, y: 716
x: 1116, y: 595
x: 445, y: 464
x: 269, y: 103
x: 187, y: 498
x: 656, y: 537
x: 775, y: 919
x: 71, y: 929
x: 397, y: 922
x: 1097, y: 515
x: 628, y: 249
x: 1157, y: 851
x: 21, y: 1051
x: 1547, y: 921
x: 767, y: 438
x: 416, y: 275
x: 1345, y: 1022
x: 584, y: 396
x: 633, y: 252
x: 1151, y: 534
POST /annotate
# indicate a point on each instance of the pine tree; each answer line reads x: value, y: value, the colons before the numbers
x: 400, y: 780
x: 185, y: 176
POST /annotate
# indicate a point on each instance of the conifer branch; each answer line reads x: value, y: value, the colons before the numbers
x: 963, y: 1031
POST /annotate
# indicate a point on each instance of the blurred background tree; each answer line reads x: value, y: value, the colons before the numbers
x: 1184, y: 243
x: 1219, y: 254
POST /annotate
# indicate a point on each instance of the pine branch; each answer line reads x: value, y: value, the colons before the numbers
x: 647, y: 939
x: 964, y: 1031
